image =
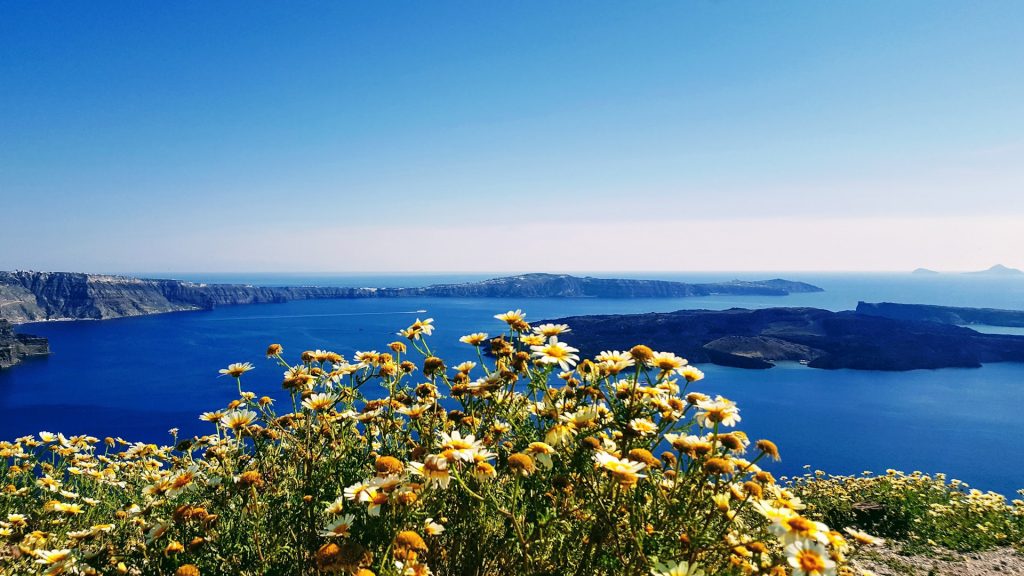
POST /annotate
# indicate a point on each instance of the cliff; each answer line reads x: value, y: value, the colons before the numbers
x: 15, y: 347
x: 819, y: 338
x: 943, y: 314
x: 32, y: 296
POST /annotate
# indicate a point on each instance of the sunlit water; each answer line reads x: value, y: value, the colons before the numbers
x: 138, y: 377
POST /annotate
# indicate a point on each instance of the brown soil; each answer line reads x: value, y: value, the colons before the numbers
x: 886, y: 561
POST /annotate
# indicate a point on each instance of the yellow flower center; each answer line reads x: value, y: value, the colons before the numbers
x: 810, y: 562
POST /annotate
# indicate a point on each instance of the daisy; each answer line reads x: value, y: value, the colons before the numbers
x: 465, y: 366
x: 238, y: 419
x: 359, y: 492
x: 719, y: 411
x: 643, y: 426
x: 340, y: 527
x: 367, y: 358
x: 864, y: 538
x: 318, y: 402
x: 626, y: 472
x: 511, y: 317
x: 559, y: 434
x: 71, y: 509
x: 475, y: 339
x: 454, y: 446
x: 673, y: 569
x: 541, y: 452
x: 795, y: 527
x: 549, y: 330
x: 809, y: 559
x: 667, y: 362
x: 418, y: 329
x: 435, y: 469
x: 532, y: 339
x: 335, y: 508
x: 51, y: 556
x: 691, y: 373
x: 237, y: 369
x: 432, y: 528
x: 614, y: 356
x: 483, y: 471
x: 555, y: 352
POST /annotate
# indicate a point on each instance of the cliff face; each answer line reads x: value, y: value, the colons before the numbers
x: 820, y: 338
x: 30, y: 296
x: 14, y: 347
x: 944, y: 314
x: 61, y: 295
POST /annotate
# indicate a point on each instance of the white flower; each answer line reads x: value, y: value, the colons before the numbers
x: 676, y: 569
x: 340, y: 527
x: 237, y: 369
x: 809, y: 559
x: 555, y: 352
x: 549, y: 330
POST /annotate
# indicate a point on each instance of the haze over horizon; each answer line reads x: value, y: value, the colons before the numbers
x: 406, y: 137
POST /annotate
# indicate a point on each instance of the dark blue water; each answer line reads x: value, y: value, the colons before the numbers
x: 138, y: 377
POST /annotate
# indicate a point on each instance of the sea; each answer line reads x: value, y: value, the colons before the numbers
x: 137, y: 378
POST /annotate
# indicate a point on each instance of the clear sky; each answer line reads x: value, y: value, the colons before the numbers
x: 526, y: 136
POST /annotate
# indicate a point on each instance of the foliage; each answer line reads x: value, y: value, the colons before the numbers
x: 524, y: 461
x: 922, y: 510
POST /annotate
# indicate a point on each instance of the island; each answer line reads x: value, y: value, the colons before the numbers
x: 818, y: 338
x: 924, y: 272
x: 944, y: 314
x: 27, y: 296
x: 16, y: 347
x: 998, y: 270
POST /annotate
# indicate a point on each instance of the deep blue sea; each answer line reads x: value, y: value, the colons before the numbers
x: 138, y: 377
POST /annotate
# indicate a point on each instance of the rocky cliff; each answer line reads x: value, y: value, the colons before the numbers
x: 943, y: 314
x: 32, y: 296
x: 820, y: 338
x: 14, y: 347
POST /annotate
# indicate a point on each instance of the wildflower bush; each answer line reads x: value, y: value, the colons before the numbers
x: 523, y: 460
x: 921, y: 510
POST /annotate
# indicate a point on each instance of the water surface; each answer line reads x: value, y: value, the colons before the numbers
x: 138, y: 377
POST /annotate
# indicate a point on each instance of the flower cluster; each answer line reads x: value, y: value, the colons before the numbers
x: 923, y: 511
x: 526, y: 458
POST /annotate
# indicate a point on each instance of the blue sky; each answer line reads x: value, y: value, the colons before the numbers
x: 383, y: 136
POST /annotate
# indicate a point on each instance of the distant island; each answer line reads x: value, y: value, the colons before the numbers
x: 999, y: 270
x: 27, y: 296
x: 16, y: 347
x: 819, y: 338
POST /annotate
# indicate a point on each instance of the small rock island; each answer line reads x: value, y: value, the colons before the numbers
x: 15, y: 347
